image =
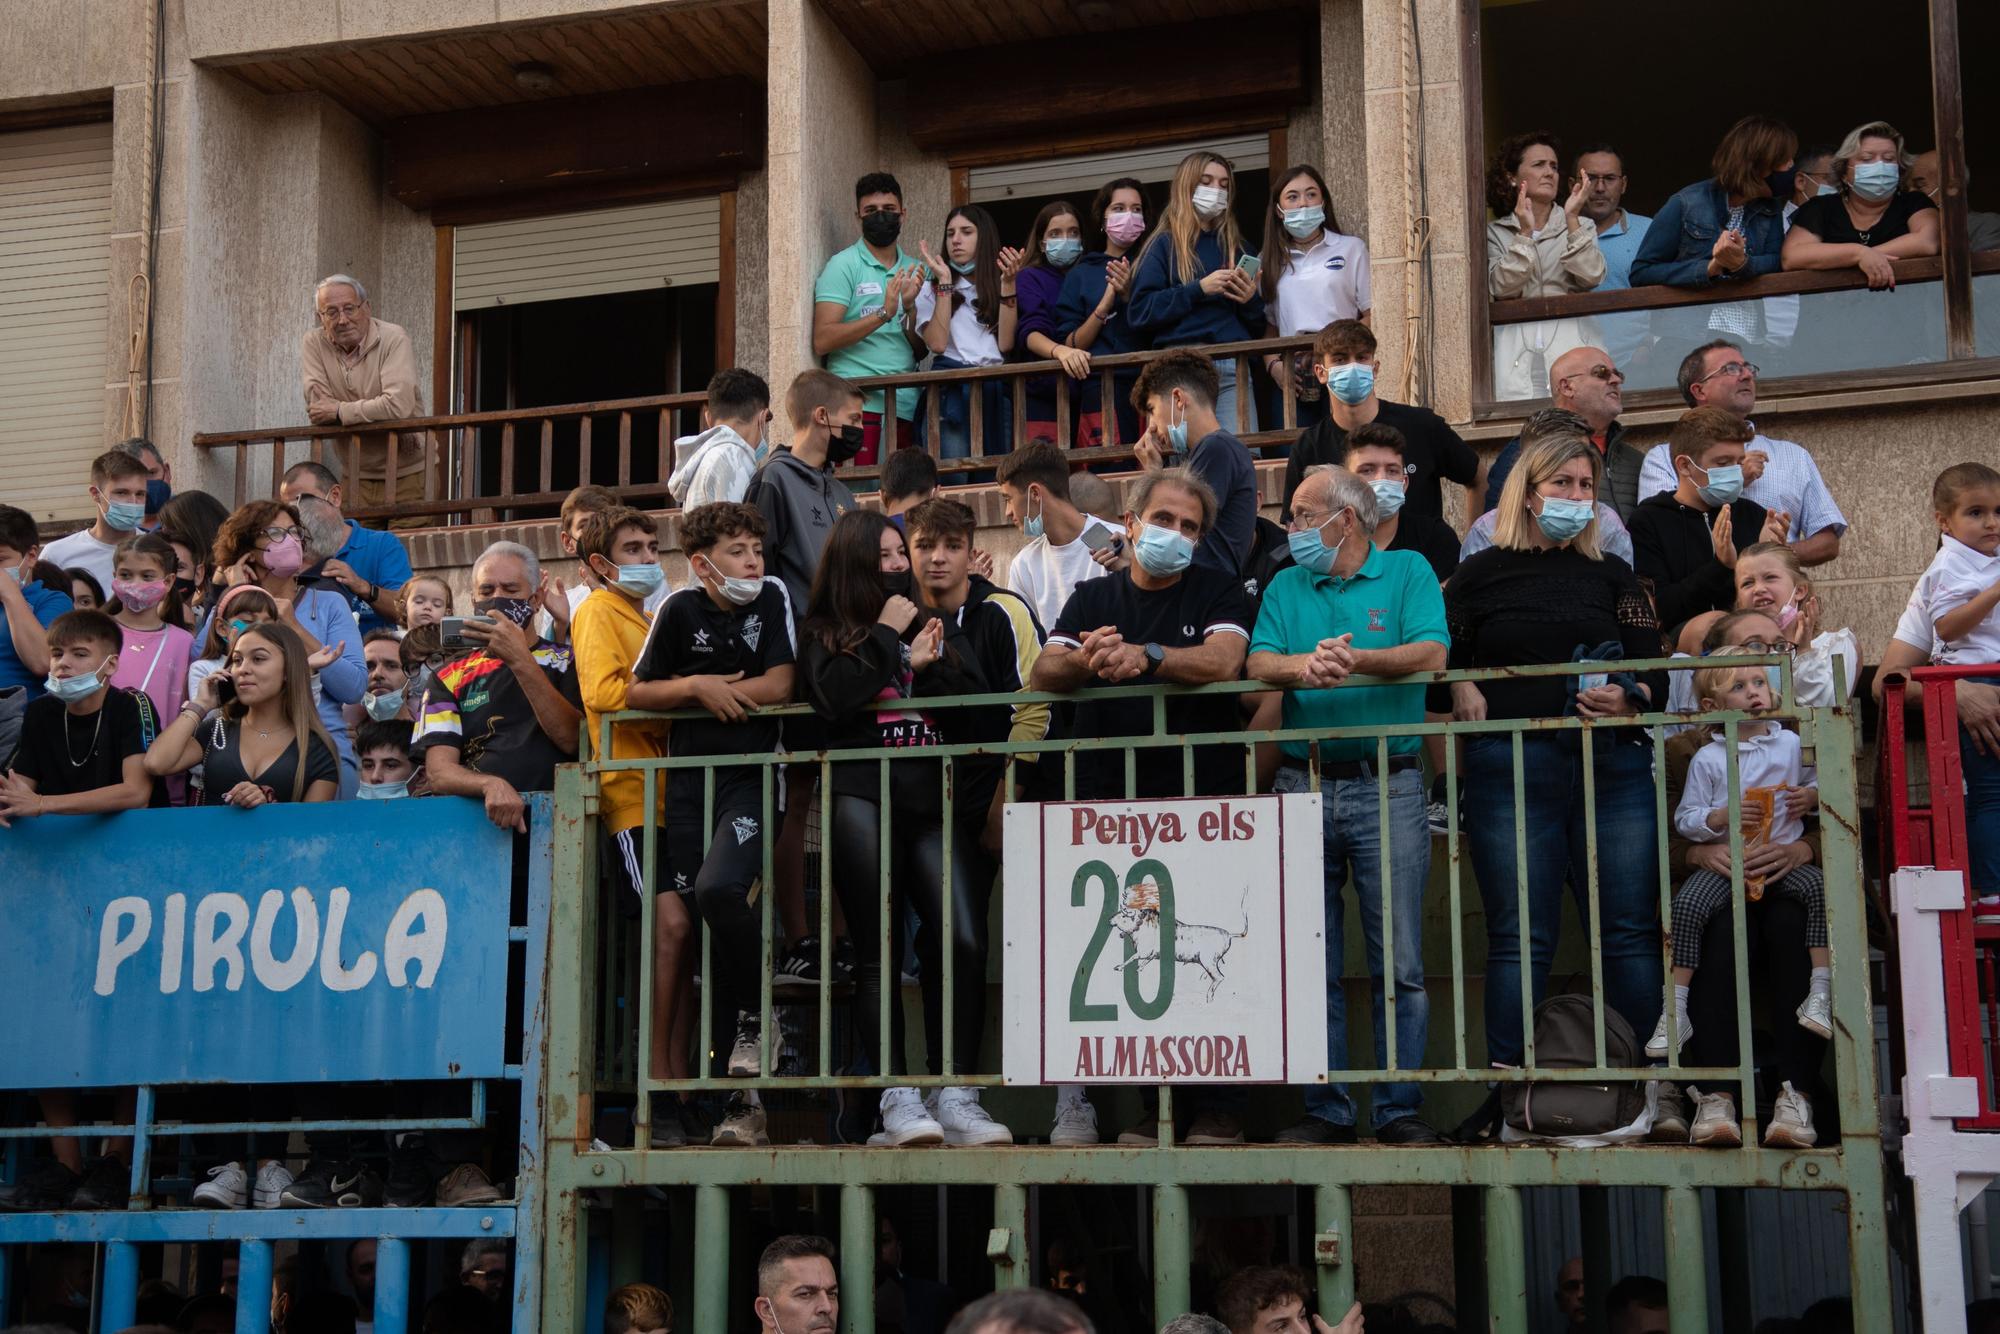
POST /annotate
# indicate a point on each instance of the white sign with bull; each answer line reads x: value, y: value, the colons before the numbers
x: 1177, y: 940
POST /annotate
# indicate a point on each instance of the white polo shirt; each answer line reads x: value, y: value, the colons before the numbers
x: 1957, y: 574
x: 971, y: 342
x: 1320, y: 285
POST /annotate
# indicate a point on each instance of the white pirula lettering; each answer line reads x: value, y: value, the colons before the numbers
x: 416, y: 932
x: 284, y: 974
x: 225, y: 946
x: 333, y: 974
x: 173, y: 937
x: 115, y: 946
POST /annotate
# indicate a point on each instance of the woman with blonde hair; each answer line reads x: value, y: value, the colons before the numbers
x: 268, y: 744
x: 1190, y: 285
x: 1873, y: 219
x: 1545, y: 593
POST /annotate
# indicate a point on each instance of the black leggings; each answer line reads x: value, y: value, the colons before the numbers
x: 916, y: 880
x: 1780, y: 971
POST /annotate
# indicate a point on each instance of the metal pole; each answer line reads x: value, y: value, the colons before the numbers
x: 711, y: 1257
x: 1506, y: 1259
x: 1007, y: 1247
x: 857, y: 1253
x: 120, y: 1306
x: 1687, y: 1262
x: 1171, y: 1259
x: 253, y: 1287
x: 1333, y: 1245
x: 392, y: 1285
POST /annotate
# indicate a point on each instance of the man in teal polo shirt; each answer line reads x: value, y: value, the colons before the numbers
x: 1344, y: 607
x: 864, y: 310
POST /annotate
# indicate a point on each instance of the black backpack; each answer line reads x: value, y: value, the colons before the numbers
x: 1565, y: 1039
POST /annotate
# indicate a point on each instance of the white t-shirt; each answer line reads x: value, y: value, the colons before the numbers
x: 971, y: 342
x: 1326, y: 283
x: 1046, y: 575
x: 1770, y: 758
x: 82, y: 550
x: 1957, y: 574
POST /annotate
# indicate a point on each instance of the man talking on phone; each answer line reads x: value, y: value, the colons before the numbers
x: 497, y: 718
x: 1176, y: 395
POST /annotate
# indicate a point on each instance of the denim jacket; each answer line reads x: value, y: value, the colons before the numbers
x: 1678, y: 245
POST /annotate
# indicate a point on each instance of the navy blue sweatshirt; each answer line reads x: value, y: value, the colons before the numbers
x: 1169, y: 309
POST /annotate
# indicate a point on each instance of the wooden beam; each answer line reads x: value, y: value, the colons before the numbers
x: 725, y: 285
x: 638, y: 138
x: 1057, y: 84
x: 443, y: 320
x: 1471, y: 100
x: 1948, y: 108
x: 54, y: 115
x: 961, y: 186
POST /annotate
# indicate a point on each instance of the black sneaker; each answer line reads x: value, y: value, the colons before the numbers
x: 409, y: 1184
x: 845, y: 961
x: 48, y: 1187
x: 799, y: 969
x: 312, y: 1188
x: 1483, y: 1126
x: 107, y: 1184
x: 1314, y: 1130
x: 357, y: 1187
x: 1408, y: 1132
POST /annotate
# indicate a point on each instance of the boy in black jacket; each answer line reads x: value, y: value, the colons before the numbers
x: 1684, y: 541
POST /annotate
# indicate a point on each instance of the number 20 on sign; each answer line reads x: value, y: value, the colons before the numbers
x: 1177, y: 940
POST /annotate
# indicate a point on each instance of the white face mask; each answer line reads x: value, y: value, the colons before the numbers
x: 741, y: 592
x: 1209, y: 201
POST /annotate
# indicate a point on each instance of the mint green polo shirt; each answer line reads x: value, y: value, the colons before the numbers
x: 1392, y: 600
x: 856, y: 280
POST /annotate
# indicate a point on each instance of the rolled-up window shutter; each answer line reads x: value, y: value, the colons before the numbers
x: 55, y: 279
x: 675, y: 243
x: 1079, y: 177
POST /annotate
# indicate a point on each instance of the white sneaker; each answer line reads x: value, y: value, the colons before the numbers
x: 272, y: 1179
x: 742, y: 1127
x: 1714, y: 1119
x: 226, y: 1188
x: 746, y: 1056
x: 1816, y: 1013
x: 1791, y: 1122
x: 1076, y: 1124
x: 905, y: 1121
x: 965, y: 1122
x: 1656, y: 1046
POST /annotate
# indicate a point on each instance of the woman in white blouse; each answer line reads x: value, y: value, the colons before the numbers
x: 1323, y: 277
x: 1536, y: 247
x: 966, y: 315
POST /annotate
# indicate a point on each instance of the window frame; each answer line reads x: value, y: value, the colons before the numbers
x: 1954, y: 266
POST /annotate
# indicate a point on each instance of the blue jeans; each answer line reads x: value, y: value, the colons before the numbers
x: 1225, y: 400
x: 1350, y: 811
x: 1982, y: 810
x: 1628, y: 889
x: 955, y: 415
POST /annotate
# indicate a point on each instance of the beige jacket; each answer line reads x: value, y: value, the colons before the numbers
x: 1555, y: 263
x: 377, y: 384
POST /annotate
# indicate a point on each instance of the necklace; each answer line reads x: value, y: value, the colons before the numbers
x: 95, y: 731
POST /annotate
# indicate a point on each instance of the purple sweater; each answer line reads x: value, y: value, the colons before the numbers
x: 1038, y: 288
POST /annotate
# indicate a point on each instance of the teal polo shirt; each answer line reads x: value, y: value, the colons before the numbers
x: 1392, y: 600
x: 856, y: 280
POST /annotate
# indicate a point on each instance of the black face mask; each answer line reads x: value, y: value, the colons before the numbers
x: 1781, y: 183
x: 881, y: 228
x: 518, y: 610
x: 844, y: 443
x: 896, y: 585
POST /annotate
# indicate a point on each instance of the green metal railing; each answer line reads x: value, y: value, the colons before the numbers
x: 594, y: 1052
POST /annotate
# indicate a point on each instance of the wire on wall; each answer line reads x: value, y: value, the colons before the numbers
x: 139, y: 291
x: 1419, y: 279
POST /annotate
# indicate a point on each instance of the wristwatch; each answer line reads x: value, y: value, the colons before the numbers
x: 1155, y: 655
x: 374, y: 593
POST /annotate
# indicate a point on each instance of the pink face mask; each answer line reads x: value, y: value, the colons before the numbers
x: 1787, y: 615
x: 138, y: 596
x: 284, y: 557
x: 1125, y: 228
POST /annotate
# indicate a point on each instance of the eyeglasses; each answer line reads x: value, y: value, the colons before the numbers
x: 1304, y: 519
x: 1610, y: 374
x: 348, y: 311
x: 434, y: 661
x: 488, y: 1273
x: 1732, y: 369
x: 280, y: 534
x: 1784, y: 648
x: 1604, y: 179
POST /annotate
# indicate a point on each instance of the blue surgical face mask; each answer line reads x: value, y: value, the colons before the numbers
x: 1310, y: 551
x: 1031, y: 527
x: 1725, y: 483
x: 1389, y: 496
x: 1825, y: 189
x: 69, y: 689
x: 1162, y: 551
x: 123, y: 516
x: 964, y: 268
x: 1876, y: 180
x: 1561, y: 520
x: 641, y: 580
x: 384, y: 706
x: 1177, y: 434
x: 1063, y: 251
x: 1351, y: 383
x: 158, y: 493
x: 383, y: 791
x: 1303, y: 222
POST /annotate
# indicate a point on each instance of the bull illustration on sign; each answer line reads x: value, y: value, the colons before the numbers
x: 1138, y: 920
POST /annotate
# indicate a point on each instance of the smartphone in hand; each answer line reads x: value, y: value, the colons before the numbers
x: 1098, y: 537
x: 1249, y: 264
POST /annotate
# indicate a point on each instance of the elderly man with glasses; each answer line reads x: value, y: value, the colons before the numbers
x: 358, y: 370
x: 1777, y: 474
x: 1586, y: 381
